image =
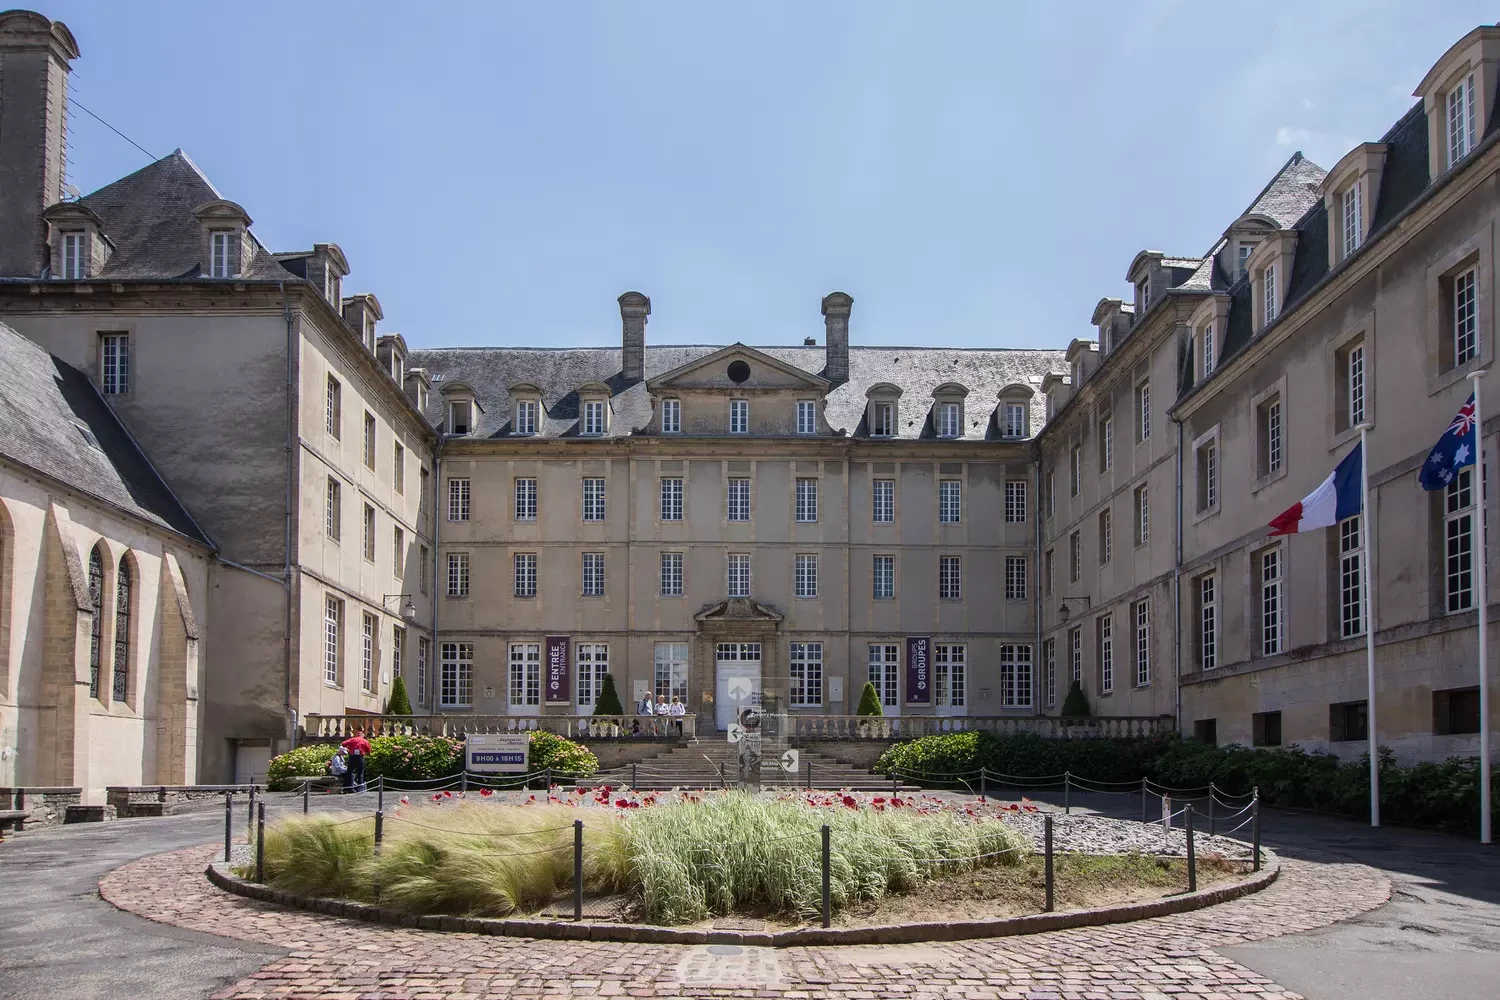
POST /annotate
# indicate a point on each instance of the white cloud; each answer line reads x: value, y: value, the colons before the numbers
x: 1288, y: 136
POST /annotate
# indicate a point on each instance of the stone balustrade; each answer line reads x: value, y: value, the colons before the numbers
x: 863, y: 727
x: 580, y: 727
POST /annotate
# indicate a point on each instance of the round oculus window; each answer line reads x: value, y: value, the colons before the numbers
x: 738, y: 371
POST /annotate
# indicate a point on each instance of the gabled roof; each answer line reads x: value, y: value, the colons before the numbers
x: 1289, y: 194
x: 792, y: 372
x: 57, y: 424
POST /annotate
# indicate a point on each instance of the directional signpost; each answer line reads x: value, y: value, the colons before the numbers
x: 789, y: 762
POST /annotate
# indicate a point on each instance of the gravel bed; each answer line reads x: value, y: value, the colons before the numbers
x: 1103, y: 835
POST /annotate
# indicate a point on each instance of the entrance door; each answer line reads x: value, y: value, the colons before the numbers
x: 885, y: 674
x: 736, y: 680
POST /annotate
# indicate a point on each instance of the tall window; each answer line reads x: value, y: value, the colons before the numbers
x: 593, y: 499
x: 1106, y: 536
x: 1465, y: 316
x: 737, y: 499
x: 950, y: 578
x: 1015, y: 578
x: 398, y: 649
x: 121, y: 687
x: 805, y: 665
x: 1458, y: 533
x: 949, y: 675
x: 73, y: 255
x: 1049, y: 571
x: 422, y: 490
x: 367, y: 652
x: 807, y: 416
x: 1245, y: 250
x: 1271, y: 436
x: 526, y: 416
x: 1075, y: 557
x: 456, y: 683
x: 1356, y: 381
x: 525, y: 688
x: 806, y: 576
x: 1140, y: 613
x: 369, y: 440
x: 525, y: 499
x: 947, y: 420
x: 882, y: 419
x: 115, y: 367
x: 369, y: 533
x: 670, y: 676
x: 593, y: 417
x: 1015, y: 501
x: 1208, y: 476
x: 593, y: 574
x: 1015, y: 676
x: 398, y: 553
x: 807, y: 500
x: 950, y: 501
x: 739, y: 416
x: 335, y: 407
x: 225, y: 247
x: 1016, y: 421
x: 885, y: 578
x: 398, y: 468
x: 1208, y: 622
x: 1351, y: 582
x: 671, y: 416
x: 333, y: 618
x: 593, y: 663
x: 1049, y: 660
x: 671, y: 498
x: 525, y: 573
x: 458, y: 499
x: 1106, y: 444
x: 738, y: 573
x: 1461, y: 134
x: 1143, y: 411
x: 333, y: 515
x: 883, y: 501
x: 1268, y: 292
x: 424, y: 655
x: 1350, y: 214
x: 1142, y: 515
x: 1106, y: 627
x: 1208, y: 350
x: 1075, y: 469
x: 885, y: 672
x: 671, y: 574
x: 458, y: 574
x: 1270, y: 602
x: 1075, y: 654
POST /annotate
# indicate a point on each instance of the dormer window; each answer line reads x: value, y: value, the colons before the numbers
x: 1268, y: 293
x: 224, y: 260
x: 593, y: 417
x: 1143, y: 293
x: 526, y: 416
x: 1246, y: 249
x: 333, y: 288
x: 1460, y: 119
x: 1016, y: 421
x: 1270, y: 272
x: 1348, y: 190
x: 949, y: 420
x: 671, y: 416
x: 882, y: 419
x: 368, y: 336
x: 74, y: 254
x: 807, y: 416
x: 460, y: 416
x: 1206, y: 349
x: 1351, y: 217
x: 1458, y: 95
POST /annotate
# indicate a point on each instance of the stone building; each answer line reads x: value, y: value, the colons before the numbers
x: 1364, y: 293
x: 803, y: 518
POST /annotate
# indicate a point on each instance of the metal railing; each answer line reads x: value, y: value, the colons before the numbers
x: 594, y: 727
x: 866, y: 727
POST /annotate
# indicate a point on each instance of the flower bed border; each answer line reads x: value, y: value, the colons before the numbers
x: 568, y: 930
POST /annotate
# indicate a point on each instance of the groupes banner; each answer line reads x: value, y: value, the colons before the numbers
x: 559, y: 671
x: 918, y: 670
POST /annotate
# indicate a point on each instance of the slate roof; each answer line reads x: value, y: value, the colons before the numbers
x: 490, y: 371
x: 148, y: 217
x: 57, y: 424
x: 1291, y: 192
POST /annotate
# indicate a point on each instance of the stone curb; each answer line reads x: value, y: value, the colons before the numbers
x: 800, y: 937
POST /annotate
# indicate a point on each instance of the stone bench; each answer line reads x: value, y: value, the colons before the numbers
x: 83, y: 814
x: 12, y: 818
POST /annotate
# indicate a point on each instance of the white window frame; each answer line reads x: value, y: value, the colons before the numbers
x: 670, y: 670
x: 1268, y: 294
x: 1015, y: 675
x: 883, y: 577
x: 526, y: 417
x: 1106, y: 654
x: 1143, y: 410
x: 1106, y: 536
x: 73, y: 256
x: 593, y: 417
x: 807, y: 500
x: 1075, y: 478
x: 807, y: 416
x: 1208, y: 621
x: 458, y: 574
x: 370, y: 428
x: 398, y: 468
x: 456, y: 406
x: 1351, y: 580
x: 950, y: 501
x: 1274, y: 435
x: 1140, y: 614
x: 950, y: 675
x: 737, y: 574
x: 1460, y: 118
x: 593, y: 574
x: 671, y: 416
x: 456, y: 675
x: 805, y: 670
x: 592, y: 659
x: 595, y: 499
x: 525, y: 498
x: 114, y: 363
x: 737, y: 500
x: 885, y: 672
x: 670, y: 570
x: 883, y: 501
x: 369, y: 533
x: 805, y: 576
x: 424, y: 654
x: 1049, y: 660
x: 1350, y: 216
x: 1466, y: 315
x: 458, y: 499
x: 882, y: 419
x: 1355, y: 377
x: 368, y: 624
x: 333, y: 620
x: 1106, y: 444
x: 1015, y: 501
x: 949, y: 420
x: 333, y: 513
x: 1142, y: 514
x: 1016, y: 584
x: 1269, y: 566
x: 524, y: 574
x: 523, y: 687
x: 1208, y: 350
x: 335, y: 407
x: 222, y: 253
x: 1017, y: 421
x: 1075, y: 654
x: 739, y: 416
x: 950, y: 578
x: 398, y: 552
x: 1458, y: 542
x: 671, y: 498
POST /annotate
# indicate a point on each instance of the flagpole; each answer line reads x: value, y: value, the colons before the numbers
x: 1367, y: 524
x: 1481, y: 581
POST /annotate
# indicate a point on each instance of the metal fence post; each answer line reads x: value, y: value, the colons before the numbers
x: 1144, y: 792
x: 982, y: 786
x: 578, y: 869
x: 827, y: 895
x: 463, y: 780
x: 1047, y: 843
x: 228, y: 823
x: 1213, y: 826
x: 306, y: 795
x: 1067, y: 792
x: 894, y: 784
x: 549, y: 779
x: 635, y: 781
x: 1255, y: 829
x: 1192, y: 857
x: 809, y: 775
x: 379, y: 835
x: 250, y: 813
x: 380, y: 794
x: 260, y: 844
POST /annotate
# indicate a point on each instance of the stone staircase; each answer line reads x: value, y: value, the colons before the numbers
x: 707, y: 764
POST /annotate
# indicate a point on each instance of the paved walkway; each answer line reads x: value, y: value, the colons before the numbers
x: 1319, y: 932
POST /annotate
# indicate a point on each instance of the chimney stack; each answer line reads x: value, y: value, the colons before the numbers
x: 35, y: 58
x: 634, y: 308
x: 836, y: 306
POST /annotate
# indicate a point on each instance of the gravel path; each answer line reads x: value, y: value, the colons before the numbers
x: 1103, y: 835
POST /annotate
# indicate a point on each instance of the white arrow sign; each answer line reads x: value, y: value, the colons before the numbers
x: 736, y: 732
x: 789, y: 762
x: 739, y: 688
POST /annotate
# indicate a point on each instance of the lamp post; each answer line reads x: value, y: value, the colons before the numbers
x: 408, y: 610
x: 1064, y: 613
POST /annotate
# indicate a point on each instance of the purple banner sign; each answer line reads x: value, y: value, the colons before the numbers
x: 559, y: 674
x: 918, y: 670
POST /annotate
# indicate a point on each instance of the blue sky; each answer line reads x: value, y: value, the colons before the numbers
x: 974, y: 174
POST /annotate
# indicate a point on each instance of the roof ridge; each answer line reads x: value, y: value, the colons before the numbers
x: 719, y: 347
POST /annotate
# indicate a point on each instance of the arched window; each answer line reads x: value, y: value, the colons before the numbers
x: 122, y: 632
x: 96, y: 602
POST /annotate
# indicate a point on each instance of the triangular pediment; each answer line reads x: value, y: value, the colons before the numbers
x: 737, y: 609
x: 738, y: 366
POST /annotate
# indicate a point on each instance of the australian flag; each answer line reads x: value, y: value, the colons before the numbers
x: 1454, y: 450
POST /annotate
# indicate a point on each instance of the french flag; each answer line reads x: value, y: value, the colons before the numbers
x: 1336, y: 498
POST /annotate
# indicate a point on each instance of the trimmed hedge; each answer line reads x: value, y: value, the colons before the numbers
x: 424, y: 758
x: 1442, y: 794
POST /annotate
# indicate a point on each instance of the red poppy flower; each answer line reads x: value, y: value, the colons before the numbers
x: 850, y: 803
x: 486, y: 792
x: 437, y: 798
x: 447, y: 795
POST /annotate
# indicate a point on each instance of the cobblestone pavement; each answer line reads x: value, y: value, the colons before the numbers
x: 335, y: 959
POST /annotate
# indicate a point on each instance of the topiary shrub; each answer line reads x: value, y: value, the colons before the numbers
x: 869, y: 701
x: 399, y: 703
x: 608, y: 702
x: 1076, y: 704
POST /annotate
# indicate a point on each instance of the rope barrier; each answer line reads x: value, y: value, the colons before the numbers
x: 467, y: 833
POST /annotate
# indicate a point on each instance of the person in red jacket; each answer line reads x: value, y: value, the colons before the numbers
x: 358, y: 748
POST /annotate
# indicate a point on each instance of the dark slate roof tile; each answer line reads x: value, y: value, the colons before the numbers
x: 1291, y: 192
x: 1405, y: 175
x: 57, y: 423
